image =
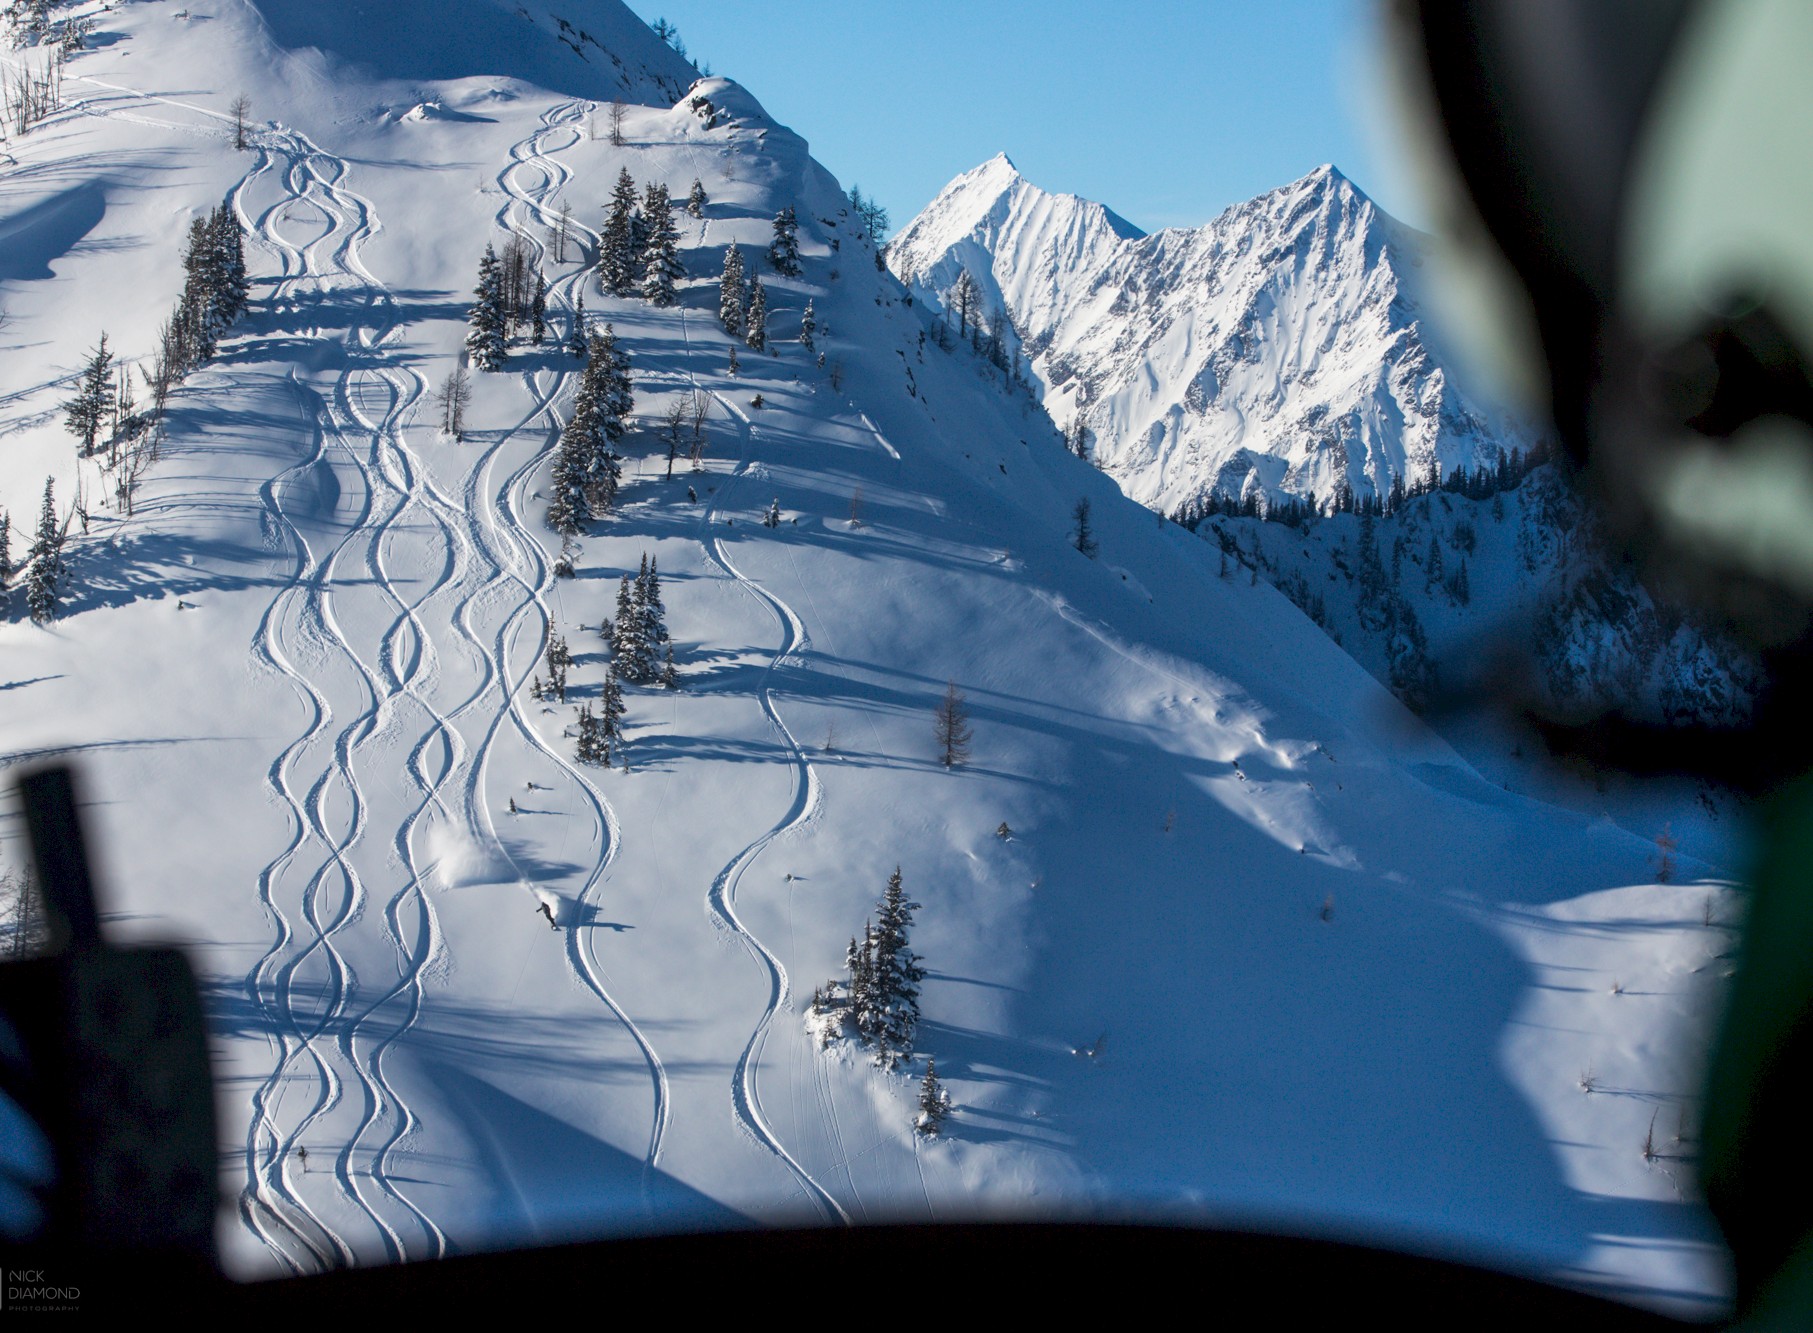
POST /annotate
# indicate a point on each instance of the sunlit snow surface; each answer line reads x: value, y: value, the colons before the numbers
x: 1279, y: 350
x: 1330, y: 976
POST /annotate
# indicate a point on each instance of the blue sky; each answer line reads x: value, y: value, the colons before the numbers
x: 1167, y: 111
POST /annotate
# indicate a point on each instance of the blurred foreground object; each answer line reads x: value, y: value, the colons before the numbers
x: 1627, y: 191
x: 108, y: 1058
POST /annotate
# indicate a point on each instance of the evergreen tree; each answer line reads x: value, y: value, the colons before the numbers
x: 587, y: 468
x: 566, y: 510
x: 610, y: 705
x: 648, y: 593
x: 577, y: 343
x: 594, y: 746
x: 772, y: 519
x: 808, y: 325
x: 661, y: 266
x: 617, y: 244
x: 626, y: 612
x: 696, y: 201
x: 559, y: 658
x: 632, y: 638
x: 235, y: 284
x: 757, y: 333
x: 92, y: 407
x: 6, y: 549
x: 870, y: 216
x: 1432, y: 564
x: 730, y: 294
x: 783, y: 250
x: 670, y: 677
x: 538, y: 312
x: 44, y: 580
x: 934, y: 1102
x: 886, y: 1005
x: 485, y: 325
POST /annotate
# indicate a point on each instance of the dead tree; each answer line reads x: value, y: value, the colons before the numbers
x: 241, y: 109
x: 699, y: 409
x: 951, y: 725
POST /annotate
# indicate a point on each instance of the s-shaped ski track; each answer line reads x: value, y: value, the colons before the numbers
x: 745, y: 1091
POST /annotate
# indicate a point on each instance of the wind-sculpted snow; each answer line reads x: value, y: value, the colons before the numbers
x: 1212, y: 928
x: 1278, y: 349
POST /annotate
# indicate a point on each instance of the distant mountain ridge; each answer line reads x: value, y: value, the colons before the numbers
x: 1278, y: 350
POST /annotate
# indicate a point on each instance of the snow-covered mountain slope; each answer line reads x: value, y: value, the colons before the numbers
x: 1255, y: 945
x: 1278, y: 350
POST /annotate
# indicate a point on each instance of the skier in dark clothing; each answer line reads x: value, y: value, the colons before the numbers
x: 549, y: 913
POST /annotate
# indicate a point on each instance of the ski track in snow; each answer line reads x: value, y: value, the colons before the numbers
x: 746, y: 1097
x: 523, y: 210
x: 356, y: 1036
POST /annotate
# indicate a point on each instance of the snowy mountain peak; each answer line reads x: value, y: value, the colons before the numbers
x: 1277, y: 349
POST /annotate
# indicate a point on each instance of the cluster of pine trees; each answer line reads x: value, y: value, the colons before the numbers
x: 215, y: 292
x: 1479, y: 483
x: 991, y: 336
x: 559, y: 659
x: 641, y: 650
x: 587, y: 468
x: 639, y: 247
x: 511, y: 295
x: 599, y: 727
x: 880, y: 994
x: 742, y: 303
x: 103, y: 413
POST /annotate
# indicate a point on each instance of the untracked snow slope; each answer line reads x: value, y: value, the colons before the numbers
x: 1256, y: 946
x: 1279, y: 350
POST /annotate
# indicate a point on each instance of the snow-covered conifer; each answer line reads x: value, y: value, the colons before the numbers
x: 617, y: 243
x: 566, y: 510
x: 538, y: 312
x: 577, y: 342
x: 559, y: 659
x: 594, y: 747
x: 772, y: 519
x: 783, y: 250
x: 610, y: 705
x: 808, y: 325
x: 757, y: 333
x: 670, y: 676
x: 661, y: 266
x: 648, y: 595
x: 696, y: 201
x: 886, y: 1006
x: 731, y: 304
x: 632, y: 638
x: 485, y: 325
x: 44, y: 580
x: 934, y: 1102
